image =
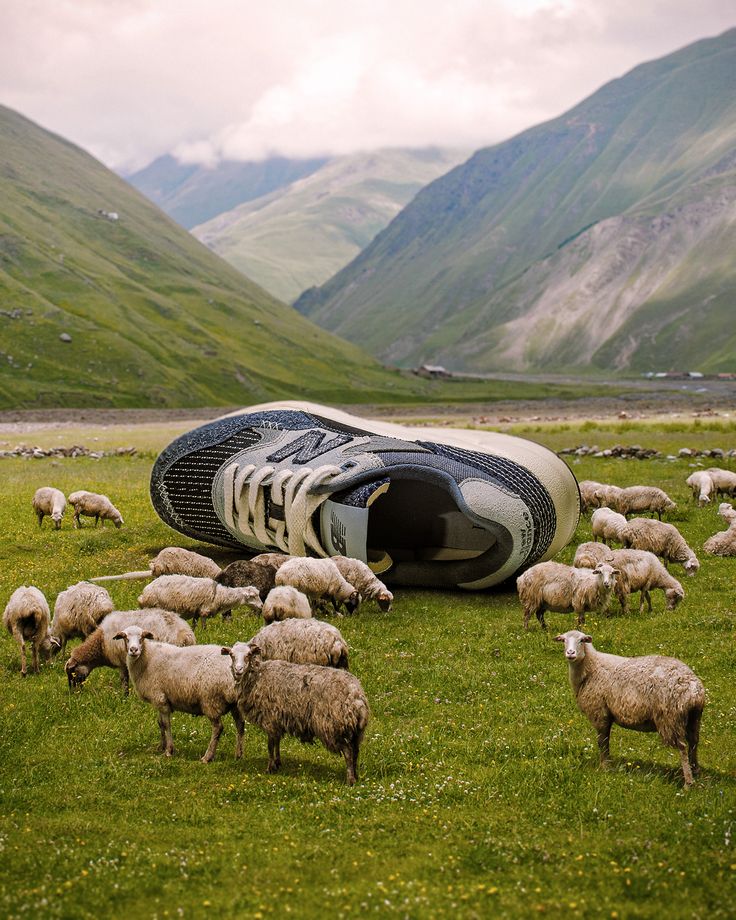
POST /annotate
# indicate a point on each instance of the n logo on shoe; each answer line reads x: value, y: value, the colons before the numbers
x: 338, y: 535
x: 310, y: 445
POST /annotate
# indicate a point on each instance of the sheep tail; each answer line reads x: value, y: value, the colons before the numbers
x: 127, y: 576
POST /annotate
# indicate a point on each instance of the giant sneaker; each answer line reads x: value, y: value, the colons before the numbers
x: 431, y: 507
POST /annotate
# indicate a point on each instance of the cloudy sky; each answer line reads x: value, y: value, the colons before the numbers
x: 206, y: 79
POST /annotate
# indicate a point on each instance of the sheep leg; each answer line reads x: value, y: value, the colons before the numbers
x: 350, y: 753
x: 97, y: 519
x: 57, y: 525
x: 581, y: 617
x: 22, y: 643
x: 687, y: 773
x: 125, y: 680
x: 36, y: 667
x: 39, y: 515
x: 214, y: 738
x: 604, y: 740
x: 164, y: 723
x: 239, y: 731
x: 77, y: 522
x: 274, y: 753
x: 693, y: 736
x: 649, y: 599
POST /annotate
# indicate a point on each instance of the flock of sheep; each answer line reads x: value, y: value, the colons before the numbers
x: 292, y: 677
x: 649, y: 693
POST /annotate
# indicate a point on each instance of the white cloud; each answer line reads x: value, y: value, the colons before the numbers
x: 130, y: 79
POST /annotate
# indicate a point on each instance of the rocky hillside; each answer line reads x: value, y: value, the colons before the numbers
x: 603, y: 239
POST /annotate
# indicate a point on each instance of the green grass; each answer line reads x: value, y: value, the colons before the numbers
x: 479, y: 792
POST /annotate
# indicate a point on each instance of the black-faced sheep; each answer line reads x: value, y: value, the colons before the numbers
x: 649, y: 693
x: 303, y: 700
x: 51, y: 502
x: 26, y: 618
x: 564, y: 589
x: 194, y: 679
x: 77, y: 612
x: 664, y: 540
x: 90, y: 504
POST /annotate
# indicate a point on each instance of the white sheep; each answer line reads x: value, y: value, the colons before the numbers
x: 564, y: 589
x: 607, y: 496
x: 100, y: 649
x: 193, y: 598
x: 724, y: 481
x: 49, y: 501
x: 648, y: 693
x: 193, y: 679
x: 304, y: 700
x: 727, y: 512
x: 364, y: 580
x: 638, y: 499
x: 91, y: 504
x: 285, y: 602
x: 641, y: 571
x: 722, y: 543
x: 303, y: 642
x: 588, y: 555
x: 664, y: 540
x: 26, y: 618
x: 608, y: 525
x: 320, y: 580
x: 588, y: 489
x: 701, y: 485
x: 172, y: 560
x: 77, y: 612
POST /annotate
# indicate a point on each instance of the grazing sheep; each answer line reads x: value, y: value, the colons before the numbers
x: 638, y: 499
x: 274, y: 559
x: 664, y: 540
x: 607, y: 496
x: 284, y: 603
x: 588, y: 489
x: 588, y: 555
x: 172, y: 560
x: 303, y: 642
x: 193, y: 598
x: 51, y: 502
x: 608, y: 525
x: 90, y: 504
x: 77, y: 613
x: 193, y: 679
x: 722, y: 543
x: 727, y: 512
x: 564, y: 589
x: 364, y: 580
x: 724, y: 481
x: 26, y: 618
x: 303, y: 700
x: 701, y: 485
x: 320, y: 580
x: 649, y: 693
x: 101, y: 650
x: 244, y: 572
x: 642, y: 571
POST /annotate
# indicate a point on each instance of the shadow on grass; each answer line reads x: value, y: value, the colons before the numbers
x: 673, y: 774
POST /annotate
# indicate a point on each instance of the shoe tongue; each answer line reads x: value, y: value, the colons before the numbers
x: 344, y: 519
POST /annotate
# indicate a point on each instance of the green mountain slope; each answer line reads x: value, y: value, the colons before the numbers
x: 603, y: 238
x: 192, y: 194
x: 155, y: 318
x: 300, y: 235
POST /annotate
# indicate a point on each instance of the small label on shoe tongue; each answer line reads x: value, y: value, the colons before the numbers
x: 344, y: 530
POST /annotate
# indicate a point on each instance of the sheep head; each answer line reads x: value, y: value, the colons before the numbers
x: 134, y: 638
x: 574, y: 644
x: 245, y: 657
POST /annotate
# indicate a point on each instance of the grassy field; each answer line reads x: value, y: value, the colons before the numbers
x: 479, y: 792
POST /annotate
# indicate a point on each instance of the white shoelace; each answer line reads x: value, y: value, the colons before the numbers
x: 245, y: 505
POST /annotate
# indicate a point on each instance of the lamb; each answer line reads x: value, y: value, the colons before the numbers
x: 243, y: 572
x: 724, y: 481
x: 284, y: 603
x: 77, y: 612
x: 722, y: 543
x: 647, y: 693
x: 51, y: 502
x: 701, y: 485
x: 664, y: 540
x: 360, y: 575
x: 90, y: 504
x: 637, y: 499
x: 304, y: 700
x: 26, y: 618
x: 193, y: 598
x: 193, y: 679
x: 101, y: 650
x: 588, y: 555
x: 303, y: 642
x: 642, y: 571
x: 172, y: 560
x: 564, y: 589
x: 319, y: 579
x: 608, y: 525
x: 727, y: 512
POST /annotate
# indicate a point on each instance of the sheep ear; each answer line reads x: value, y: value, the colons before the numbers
x: 147, y: 635
x: 587, y: 639
x: 255, y: 650
x: 225, y: 650
x: 120, y: 636
x: 559, y: 638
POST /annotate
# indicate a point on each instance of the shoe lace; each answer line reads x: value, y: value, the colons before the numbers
x: 292, y: 531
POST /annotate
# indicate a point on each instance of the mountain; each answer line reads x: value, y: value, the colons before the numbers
x: 301, y: 234
x: 106, y: 301
x: 192, y: 194
x: 602, y: 239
